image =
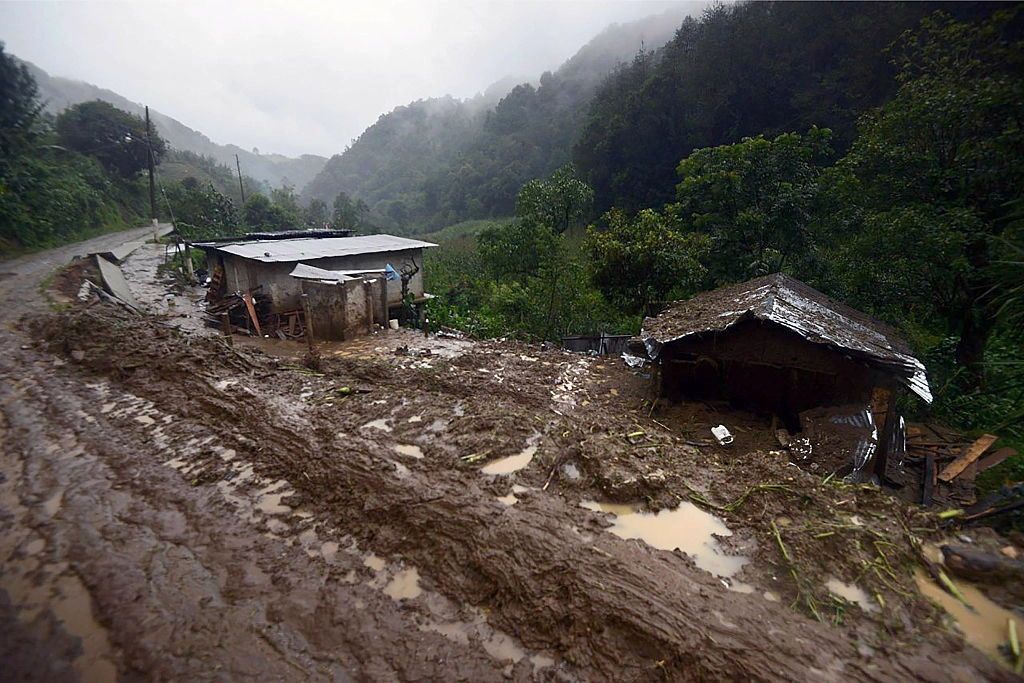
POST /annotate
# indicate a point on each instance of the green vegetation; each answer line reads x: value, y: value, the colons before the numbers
x: 916, y: 219
x: 526, y: 277
x: 66, y: 182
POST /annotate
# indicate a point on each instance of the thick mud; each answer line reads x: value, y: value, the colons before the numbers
x: 176, y: 508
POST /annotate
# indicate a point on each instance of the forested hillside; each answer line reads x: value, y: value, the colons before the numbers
x: 65, y: 178
x: 741, y: 70
x: 57, y: 94
x: 436, y: 162
x: 882, y: 165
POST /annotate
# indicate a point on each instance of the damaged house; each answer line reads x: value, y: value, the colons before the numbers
x: 776, y: 346
x: 340, y: 286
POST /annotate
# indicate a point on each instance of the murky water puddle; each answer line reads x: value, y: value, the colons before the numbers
x: 686, y: 527
x: 405, y: 585
x: 851, y: 593
x: 984, y: 624
x: 514, y: 463
x: 409, y: 450
x: 381, y: 424
x: 497, y: 644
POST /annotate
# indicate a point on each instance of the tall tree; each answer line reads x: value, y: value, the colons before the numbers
x: 642, y: 260
x: 559, y: 202
x: 754, y: 199
x: 113, y: 136
x: 348, y: 213
x: 316, y: 215
x: 923, y: 194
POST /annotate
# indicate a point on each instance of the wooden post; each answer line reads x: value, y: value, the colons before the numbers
x: 150, y: 163
x: 882, y: 403
x: 225, y: 325
x: 928, y: 481
x: 368, y: 297
x: 189, y: 270
x: 308, y: 321
x: 344, y: 311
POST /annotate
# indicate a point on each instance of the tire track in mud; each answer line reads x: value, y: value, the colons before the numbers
x: 183, y: 586
x: 612, y: 609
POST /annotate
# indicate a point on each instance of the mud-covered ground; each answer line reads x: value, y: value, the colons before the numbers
x: 175, y: 508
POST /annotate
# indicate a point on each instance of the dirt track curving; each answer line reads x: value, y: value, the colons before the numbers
x: 175, y: 509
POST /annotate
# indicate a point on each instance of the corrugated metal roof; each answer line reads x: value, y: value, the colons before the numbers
x: 788, y: 302
x: 278, y: 251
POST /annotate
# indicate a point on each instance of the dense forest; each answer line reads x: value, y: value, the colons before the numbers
x: 66, y: 177
x: 889, y: 176
x: 436, y: 162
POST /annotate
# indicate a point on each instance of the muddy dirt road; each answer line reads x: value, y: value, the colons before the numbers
x: 173, y: 509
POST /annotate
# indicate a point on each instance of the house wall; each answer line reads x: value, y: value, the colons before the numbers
x: 345, y: 310
x: 767, y: 368
x: 283, y: 290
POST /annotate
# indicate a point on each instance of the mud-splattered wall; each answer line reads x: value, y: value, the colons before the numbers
x: 282, y: 290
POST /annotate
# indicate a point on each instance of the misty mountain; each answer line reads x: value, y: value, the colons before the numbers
x: 742, y: 70
x: 438, y: 161
x: 273, y: 169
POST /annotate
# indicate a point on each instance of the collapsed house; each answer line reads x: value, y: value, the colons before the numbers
x: 339, y: 287
x: 775, y: 345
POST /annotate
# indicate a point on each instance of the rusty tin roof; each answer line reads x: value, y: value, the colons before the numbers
x: 788, y: 302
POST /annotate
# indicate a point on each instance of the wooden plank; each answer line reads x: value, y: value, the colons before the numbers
x: 247, y: 298
x: 928, y: 481
x: 970, y: 454
x: 990, y: 460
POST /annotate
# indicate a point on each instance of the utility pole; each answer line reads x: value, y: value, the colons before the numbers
x: 152, y: 181
x: 240, y: 187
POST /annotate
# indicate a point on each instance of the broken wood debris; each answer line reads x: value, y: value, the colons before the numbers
x: 972, y: 453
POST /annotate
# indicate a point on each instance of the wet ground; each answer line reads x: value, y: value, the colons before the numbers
x: 173, y: 508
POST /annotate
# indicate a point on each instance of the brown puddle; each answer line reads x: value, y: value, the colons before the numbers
x: 404, y: 585
x: 686, y: 527
x: 513, y: 463
x: 409, y: 450
x: 381, y: 424
x: 985, y: 626
x: 851, y: 593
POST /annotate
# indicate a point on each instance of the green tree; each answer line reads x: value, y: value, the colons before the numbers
x: 920, y: 199
x: 114, y: 137
x: 259, y: 213
x: 348, y: 213
x: 48, y: 195
x: 316, y: 215
x: 559, y: 202
x: 202, y: 212
x: 754, y: 199
x: 285, y: 199
x: 20, y: 123
x: 641, y: 260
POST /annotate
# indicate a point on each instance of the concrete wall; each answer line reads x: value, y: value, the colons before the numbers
x: 345, y: 310
x: 283, y: 290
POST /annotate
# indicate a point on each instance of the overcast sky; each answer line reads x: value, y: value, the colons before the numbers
x: 298, y: 77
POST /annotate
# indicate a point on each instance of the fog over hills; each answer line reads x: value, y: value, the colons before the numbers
x: 440, y: 160
x: 273, y: 169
